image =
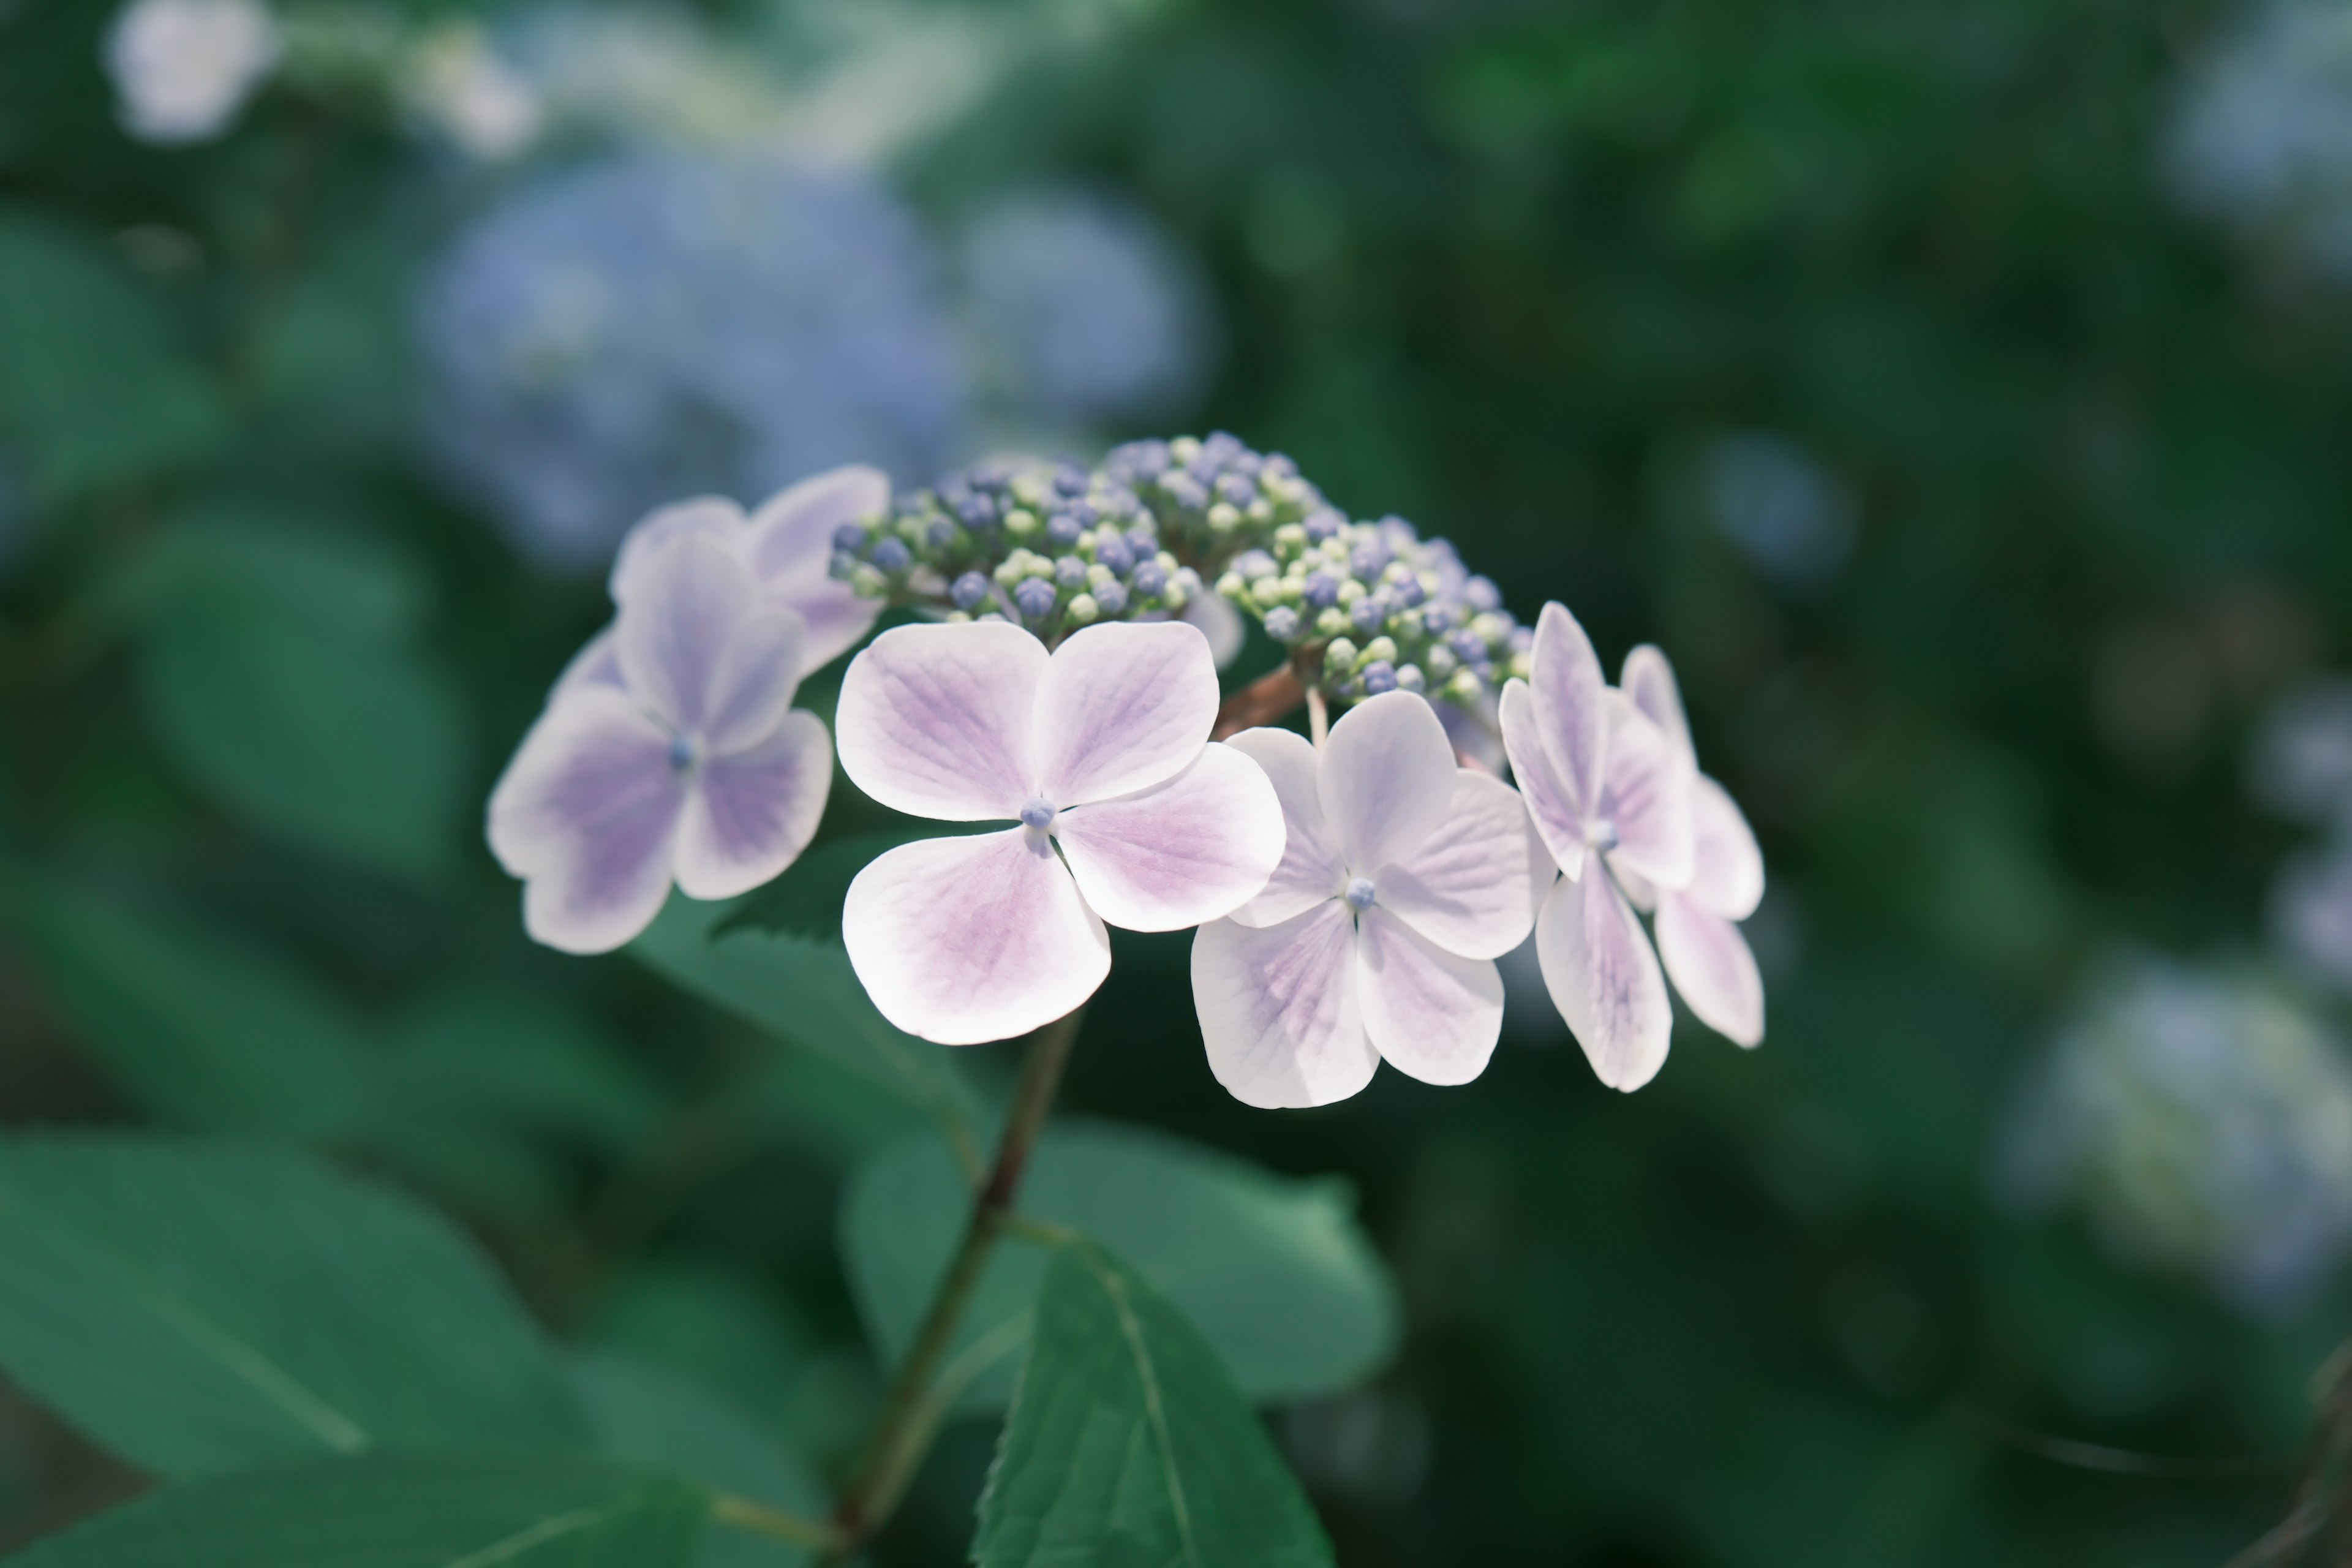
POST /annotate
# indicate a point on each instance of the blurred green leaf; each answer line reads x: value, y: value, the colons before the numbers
x: 234, y: 546
x: 197, y: 1025
x: 516, y: 1511
x: 507, y: 1055
x: 1274, y: 1272
x: 96, y: 389
x: 199, y: 1308
x: 712, y: 1321
x: 1129, y: 1445
x: 640, y: 1412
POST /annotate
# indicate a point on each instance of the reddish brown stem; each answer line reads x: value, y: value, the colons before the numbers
x: 1266, y: 700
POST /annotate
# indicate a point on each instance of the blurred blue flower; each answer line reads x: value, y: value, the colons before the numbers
x: 1086, y: 310
x: 619, y: 334
x: 1787, y: 515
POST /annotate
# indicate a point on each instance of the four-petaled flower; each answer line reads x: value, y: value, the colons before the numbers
x: 1611, y: 795
x: 1124, y: 813
x: 689, y: 762
x: 1403, y: 877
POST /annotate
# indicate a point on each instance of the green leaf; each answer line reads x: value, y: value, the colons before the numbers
x: 199, y: 1307
x: 401, y: 1511
x: 640, y: 1412
x: 95, y: 388
x: 507, y: 1055
x: 287, y: 695
x: 1275, y: 1272
x: 804, y: 992
x: 197, y: 1025
x: 1128, y: 1444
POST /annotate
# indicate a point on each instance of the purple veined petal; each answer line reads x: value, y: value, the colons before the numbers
x: 1220, y: 623
x: 792, y: 555
x: 598, y: 663
x: 1311, y: 870
x: 1432, y: 1014
x: 585, y: 814
x: 1279, y: 1011
x: 1604, y: 979
x: 750, y: 812
x: 1567, y: 684
x: 752, y: 682
x: 1646, y: 798
x: 686, y: 598
x: 716, y: 517
x: 935, y: 720
x: 1122, y: 707
x: 1193, y: 849
x: 1649, y: 679
x: 1726, y: 868
x: 966, y: 940
x: 1711, y: 968
x: 1473, y: 886
x: 1386, y: 778
x: 1555, y: 816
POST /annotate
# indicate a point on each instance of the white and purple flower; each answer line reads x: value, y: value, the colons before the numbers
x: 1126, y: 814
x: 1404, y: 876
x: 685, y: 762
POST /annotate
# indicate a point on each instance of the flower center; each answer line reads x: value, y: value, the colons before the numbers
x: 681, y: 754
x: 1037, y: 812
x: 1358, y: 894
x: 1600, y: 835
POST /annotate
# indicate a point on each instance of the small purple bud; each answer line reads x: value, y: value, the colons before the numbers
x: 1438, y: 618
x: 1466, y: 646
x: 1410, y: 592
x: 1070, y: 479
x: 1367, y: 559
x: 1236, y: 490
x: 1379, y: 677
x: 1186, y: 491
x: 1279, y: 465
x: 1222, y: 444
x: 891, y: 555
x: 1114, y: 552
x: 849, y: 536
x: 1151, y: 579
x: 1282, y: 623
x: 1322, y: 525
x: 1367, y: 614
x: 1523, y: 639
x: 969, y: 591
x: 1137, y: 460
x: 1144, y: 540
x: 940, y: 534
x: 976, y: 511
x: 1063, y: 529
x: 1037, y: 812
x: 1397, y: 531
x: 1255, y: 564
x: 1069, y: 571
x: 1111, y: 597
x: 1322, y: 590
x: 1481, y: 594
x: 1035, y: 597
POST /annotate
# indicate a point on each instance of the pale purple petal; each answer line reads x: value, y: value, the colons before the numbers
x: 1711, y: 966
x: 1279, y: 1011
x: 1726, y: 868
x: 1649, y: 680
x: 1218, y: 622
x: 714, y: 516
x: 585, y: 813
x: 1569, y: 714
x: 965, y: 939
x: 1386, y: 778
x: 1646, y: 797
x: 837, y: 618
x: 791, y: 552
x: 1432, y: 1014
x: 686, y: 598
x: 1122, y: 707
x: 1555, y: 816
x: 750, y: 814
x: 1311, y: 870
x: 935, y: 720
x: 752, y: 683
x: 598, y: 663
x: 1604, y: 979
x: 1473, y: 886
x: 1193, y: 849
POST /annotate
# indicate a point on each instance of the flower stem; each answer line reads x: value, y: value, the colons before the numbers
x: 1318, y: 717
x: 1264, y: 700
x: 773, y: 1523
x: 910, y: 1415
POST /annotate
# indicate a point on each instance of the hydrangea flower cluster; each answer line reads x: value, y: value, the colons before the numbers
x: 1351, y: 892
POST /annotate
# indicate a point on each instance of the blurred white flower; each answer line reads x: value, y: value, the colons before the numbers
x: 2300, y: 764
x: 182, y: 68
x: 2202, y: 1121
x: 458, y: 84
x: 2311, y: 912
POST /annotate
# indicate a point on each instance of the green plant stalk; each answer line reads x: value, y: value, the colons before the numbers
x: 910, y: 1415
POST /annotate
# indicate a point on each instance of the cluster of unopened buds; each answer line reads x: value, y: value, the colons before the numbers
x: 1056, y: 672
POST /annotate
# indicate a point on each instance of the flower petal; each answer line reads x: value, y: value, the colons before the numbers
x: 1434, y: 1015
x: 792, y: 554
x: 1473, y: 886
x: 1386, y: 778
x: 1189, y: 850
x: 1122, y: 707
x: 1603, y: 978
x: 714, y: 516
x: 750, y: 814
x: 598, y: 663
x: 1569, y: 713
x: 965, y: 939
x: 935, y: 720
x: 585, y: 813
x: 1649, y: 680
x: 1646, y: 797
x: 1280, y: 1009
x: 1726, y: 868
x: 1555, y: 816
x: 686, y: 598
x: 1711, y: 966
x: 752, y: 685
x: 1311, y: 870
